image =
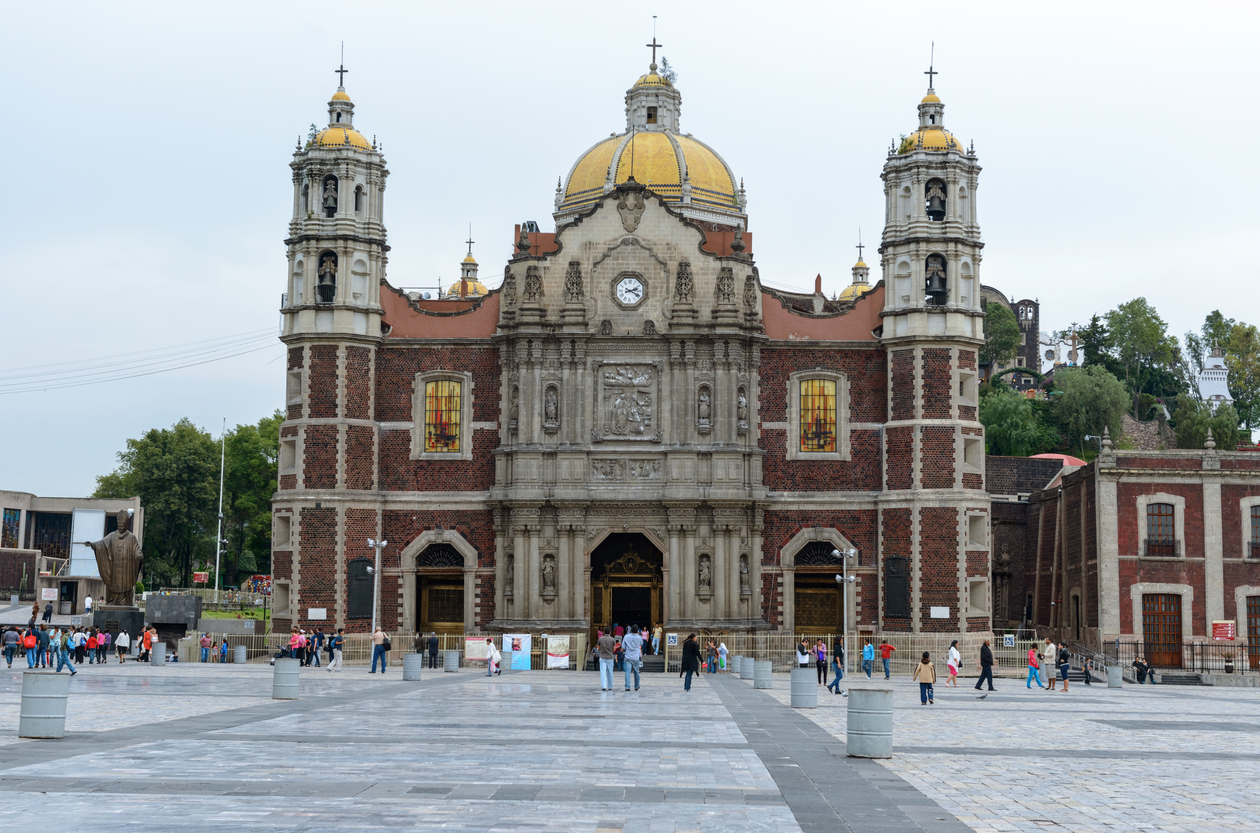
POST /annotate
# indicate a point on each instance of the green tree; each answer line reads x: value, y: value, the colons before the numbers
x: 249, y: 481
x: 1242, y: 360
x: 1216, y: 330
x: 1011, y: 427
x: 1193, y: 417
x: 174, y: 471
x: 1087, y: 399
x: 1001, y: 336
x: 1149, y: 357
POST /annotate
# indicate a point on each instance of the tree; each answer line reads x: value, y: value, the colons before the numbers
x: 1216, y: 331
x: 1011, y: 426
x: 174, y: 472
x: 1194, y: 417
x: 1087, y: 399
x: 1001, y: 336
x: 1242, y: 360
x: 1149, y: 357
x: 249, y: 480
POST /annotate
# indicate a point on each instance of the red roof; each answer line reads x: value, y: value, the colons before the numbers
x: 1068, y: 459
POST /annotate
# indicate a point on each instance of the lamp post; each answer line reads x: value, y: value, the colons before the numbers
x: 376, y: 576
x: 218, y: 543
x: 842, y: 581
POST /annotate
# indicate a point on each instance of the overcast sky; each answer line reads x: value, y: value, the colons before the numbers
x: 148, y: 191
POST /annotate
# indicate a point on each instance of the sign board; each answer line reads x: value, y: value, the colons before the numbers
x: 520, y: 644
x: 1008, y: 641
x: 475, y: 648
x: 48, y: 594
x: 249, y: 624
x: 557, y: 652
x: 671, y: 639
x: 940, y: 613
x: 76, y: 621
x: 317, y: 613
x: 1224, y: 629
x: 201, y: 578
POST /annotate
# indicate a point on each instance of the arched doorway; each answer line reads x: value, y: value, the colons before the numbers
x: 626, y: 581
x: 440, y: 589
x: 818, y: 603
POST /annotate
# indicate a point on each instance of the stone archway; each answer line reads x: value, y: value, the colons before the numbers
x: 626, y: 581
x: 441, y: 560
x: 809, y: 579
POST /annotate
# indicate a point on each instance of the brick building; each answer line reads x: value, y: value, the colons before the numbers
x: 1150, y: 546
x: 631, y: 427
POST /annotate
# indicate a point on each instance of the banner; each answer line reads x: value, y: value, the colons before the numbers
x: 475, y: 648
x: 520, y: 644
x: 557, y: 652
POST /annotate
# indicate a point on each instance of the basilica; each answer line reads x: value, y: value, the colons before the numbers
x: 632, y: 427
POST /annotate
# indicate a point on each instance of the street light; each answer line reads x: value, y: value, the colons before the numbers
x: 843, y: 578
x: 376, y: 576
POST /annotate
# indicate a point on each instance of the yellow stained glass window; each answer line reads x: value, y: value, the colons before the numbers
x: 441, y: 416
x: 818, y: 415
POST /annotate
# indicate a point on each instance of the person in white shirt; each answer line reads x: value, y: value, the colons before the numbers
x: 1049, y: 659
x: 122, y: 643
x: 87, y: 605
x: 632, y: 644
x: 955, y: 660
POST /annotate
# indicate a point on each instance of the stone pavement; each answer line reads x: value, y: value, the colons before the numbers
x: 203, y: 747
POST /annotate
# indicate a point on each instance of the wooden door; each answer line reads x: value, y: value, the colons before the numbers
x: 1253, y: 630
x: 1161, y: 629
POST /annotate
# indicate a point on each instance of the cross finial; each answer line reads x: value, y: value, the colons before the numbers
x: 341, y: 71
x: 654, y: 46
x: 859, y: 245
x: 930, y: 71
x: 470, y: 241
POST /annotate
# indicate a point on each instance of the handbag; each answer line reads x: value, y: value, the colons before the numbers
x: 386, y: 645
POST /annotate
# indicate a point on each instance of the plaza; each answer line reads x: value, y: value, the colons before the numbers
x: 204, y: 747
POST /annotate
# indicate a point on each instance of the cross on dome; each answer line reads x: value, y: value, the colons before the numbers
x: 931, y: 72
x: 654, y: 46
x: 341, y: 70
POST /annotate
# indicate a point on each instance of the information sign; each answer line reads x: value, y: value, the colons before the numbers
x: 1224, y: 629
x: 48, y: 594
x: 940, y: 613
x: 201, y: 578
x: 317, y: 613
x: 1008, y: 640
x: 671, y: 639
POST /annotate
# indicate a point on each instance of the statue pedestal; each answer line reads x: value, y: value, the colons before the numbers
x: 115, y: 619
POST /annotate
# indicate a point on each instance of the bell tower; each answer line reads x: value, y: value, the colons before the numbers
x: 934, y: 511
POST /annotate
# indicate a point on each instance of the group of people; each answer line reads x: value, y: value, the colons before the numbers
x: 45, y: 646
x: 211, y: 650
x: 307, y: 647
x: 1051, y: 655
x: 619, y: 649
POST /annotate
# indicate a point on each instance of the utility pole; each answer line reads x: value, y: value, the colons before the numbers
x: 376, y: 576
x: 218, y: 537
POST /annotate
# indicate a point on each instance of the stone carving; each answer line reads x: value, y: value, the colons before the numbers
x: 750, y: 293
x: 509, y: 287
x: 684, y: 284
x: 330, y: 195
x: 549, y: 574
x: 620, y: 470
x: 509, y: 575
x: 649, y: 327
x: 628, y: 399
x: 743, y: 575
x: 724, y: 291
x: 440, y: 555
x: 515, y: 407
x: 704, y: 408
x: 741, y: 406
x: 119, y: 559
x: 532, y: 293
x: 573, y: 282
x: 551, y: 406
x: 605, y: 327
x: 705, y: 584
x: 630, y: 206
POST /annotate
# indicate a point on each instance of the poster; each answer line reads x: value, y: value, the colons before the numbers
x: 520, y: 644
x: 48, y: 594
x: 557, y: 652
x: 475, y: 648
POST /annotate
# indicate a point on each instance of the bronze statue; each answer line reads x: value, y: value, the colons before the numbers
x: 119, y: 559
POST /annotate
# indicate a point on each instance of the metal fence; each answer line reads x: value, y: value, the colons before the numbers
x: 1196, y: 657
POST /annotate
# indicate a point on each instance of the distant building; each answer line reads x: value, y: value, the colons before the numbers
x: 1214, y: 380
x: 1028, y: 314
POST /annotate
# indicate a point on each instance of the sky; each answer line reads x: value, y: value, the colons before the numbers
x: 146, y: 207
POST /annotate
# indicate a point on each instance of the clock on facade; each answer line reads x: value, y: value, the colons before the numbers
x: 629, y: 291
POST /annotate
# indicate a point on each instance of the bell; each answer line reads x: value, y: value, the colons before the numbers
x: 936, y: 208
x: 936, y: 289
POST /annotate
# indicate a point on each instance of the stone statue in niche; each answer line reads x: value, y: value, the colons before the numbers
x: 741, y: 406
x: 549, y: 574
x: 551, y: 405
x: 703, y: 408
x: 706, y: 574
x: 743, y: 575
x: 516, y: 405
x: 509, y: 574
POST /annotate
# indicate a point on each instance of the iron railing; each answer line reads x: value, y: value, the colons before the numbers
x: 1236, y: 657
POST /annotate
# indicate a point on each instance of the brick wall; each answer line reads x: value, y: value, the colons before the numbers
x: 317, y: 546
x: 902, y: 384
x: 938, y: 383
x: 938, y: 567
x: 1129, y: 523
x: 360, y: 526
x: 862, y: 471
x: 401, y: 526
x: 896, y: 533
x: 358, y: 382
x: 900, y: 442
x: 321, y: 383
x: 360, y: 456
x: 319, y: 469
x: 1234, y: 544
x: 398, y: 472
x: 936, y: 457
x: 396, y: 369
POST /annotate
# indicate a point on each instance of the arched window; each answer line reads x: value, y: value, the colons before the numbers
x: 818, y: 415
x: 934, y: 195
x: 326, y: 279
x: 1161, y: 538
x: 936, y: 286
x: 1254, y: 549
x: 442, y: 415
x: 358, y: 200
x: 328, y: 195
x: 306, y: 198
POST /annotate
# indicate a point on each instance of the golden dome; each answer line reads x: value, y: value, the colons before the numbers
x: 340, y: 95
x: 931, y: 138
x: 658, y: 159
x: 861, y: 264
x: 652, y: 80
x: 930, y: 98
x: 470, y: 259
x: 474, y: 288
x: 338, y: 136
x: 854, y: 291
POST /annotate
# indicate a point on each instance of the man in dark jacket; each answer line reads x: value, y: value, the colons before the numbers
x: 48, y: 612
x: 433, y: 650
x: 986, y: 666
x: 690, y: 660
x: 42, y: 645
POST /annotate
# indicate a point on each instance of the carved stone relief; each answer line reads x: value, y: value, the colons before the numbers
x: 750, y: 293
x: 684, y: 284
x: 573, y: 282
x: 724, y: 290
x: 620, y: 470
x: 626, y: 397
x: 649, y: 327
x: 630, y: 206
x: 605, y: 327
x: 533, y: 291
x: 509, y: 287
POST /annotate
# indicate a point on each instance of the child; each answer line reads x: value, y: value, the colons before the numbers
x: 925, y: 674
x: 214, y: 652
x: 955, y: 659
x: 223, y: 651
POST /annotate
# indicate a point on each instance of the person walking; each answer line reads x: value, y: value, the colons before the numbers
x: 819, y: 655
x: 335, y: 644
x: 1033, y: 672
x: 214, y: 652
x: 43, y: 647
x: 955, y: 659
x: 10, y: 641
x: 868, y: 657
x: 64, y: 646
x: 47, y: 612
x: 656, y: 640
x: 837, y: 668
x: 91, y: 647
x: 885, y: 652
x: 30, y: 643
x: 295, y: 640
x: 205, y: 647
x: 711, y: 657
x: 1048, y: 656
x: 690, y: 660
x: 102, y: 646
x: 986, y: 666
x: 434, y: 644
x: 223, y: 652
x: 1065, y: 664
x: 925, y: 675
x: 146, y: 644
x: 493, y: 658
x: 378, y: 650
x: 87, y: 605
x: 315, y: 648
x: 722, y: 655
x: 632, y: 645
x: 122, y: 644
x: 607, y: 654
x: 80, y: 645
x: 802, y: 654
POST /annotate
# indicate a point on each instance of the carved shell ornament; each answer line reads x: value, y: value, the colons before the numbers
x: 630, y: 206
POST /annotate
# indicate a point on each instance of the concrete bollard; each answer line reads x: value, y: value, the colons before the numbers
x: 450, y: 662
x: 239, y: 655
x: 13, y: 600
x: 747, y: 666
x: 157, y: 654
x: 761, y: 673
x: 804, y: 688
x: 284, y: 679
x: 43, y: 713
x: 412, y: 664
x: 870, y: 721
x: 1115, y: 676
x: 734, y: 662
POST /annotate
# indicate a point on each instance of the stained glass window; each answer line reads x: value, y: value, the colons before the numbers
x: 441, y: 415
x: 818, y: 415
x: 9, y: 533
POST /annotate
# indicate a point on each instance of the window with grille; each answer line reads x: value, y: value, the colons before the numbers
x: 1255, y: 532
x: 442, y: 415
x: 818, y: 415
x: 1160, y: 535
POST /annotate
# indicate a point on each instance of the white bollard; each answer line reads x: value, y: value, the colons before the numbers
x: 450, y: 662
x: 239, y: 655
x: 746, y: 668
x: 804, y: 689
x: 870, y: 722
x: 761, y: 673
x: 412, y: 665
x: 43, y: 713
x: 1115, y: 676
x: 284, y: 679
x: 733, y: 663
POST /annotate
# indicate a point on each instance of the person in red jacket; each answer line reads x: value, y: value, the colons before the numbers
x: 885, y: 651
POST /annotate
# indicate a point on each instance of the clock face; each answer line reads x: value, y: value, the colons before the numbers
x: 629, y: 290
